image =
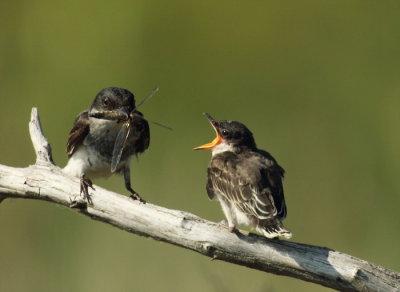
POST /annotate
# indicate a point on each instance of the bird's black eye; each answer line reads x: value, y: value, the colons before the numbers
x: 106, y: 101
x: 224, y: 133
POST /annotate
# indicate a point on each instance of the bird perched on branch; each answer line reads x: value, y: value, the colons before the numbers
x: 105, y: 137
x: 246, y: 180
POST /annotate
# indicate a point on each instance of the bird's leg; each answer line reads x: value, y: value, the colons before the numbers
x: 80, y: 203
x: 232, y: 229
x: 127, y: 179
x: 85, y: 184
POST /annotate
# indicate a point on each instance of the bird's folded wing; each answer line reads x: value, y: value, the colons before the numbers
x: 78, y: 132
x: 248, y: 190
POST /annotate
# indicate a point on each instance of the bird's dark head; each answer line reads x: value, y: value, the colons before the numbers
x: 113, y: 99
x: 230, y: 135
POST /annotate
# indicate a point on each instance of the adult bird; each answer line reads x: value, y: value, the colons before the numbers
x: 105, y: 137
x: 246, y: 180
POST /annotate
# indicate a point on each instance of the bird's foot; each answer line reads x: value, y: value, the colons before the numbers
x: 78, y: 203
x: 85, y: 184
x: 231, y: 228
x: 82, y: 203
x: 136, y: 196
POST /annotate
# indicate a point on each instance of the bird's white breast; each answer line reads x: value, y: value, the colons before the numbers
x: 86, y: 159
x: 222, y: 147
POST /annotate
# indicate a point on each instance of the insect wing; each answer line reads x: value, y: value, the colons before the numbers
x: 120, y: 145
x: 150, y: 95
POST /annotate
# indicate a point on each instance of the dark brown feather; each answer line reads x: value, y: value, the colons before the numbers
x: 142, y: 132
x: 78, y: 132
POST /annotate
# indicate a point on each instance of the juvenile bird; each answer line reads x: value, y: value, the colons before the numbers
x: 246, y: 180
x: 105, y: 137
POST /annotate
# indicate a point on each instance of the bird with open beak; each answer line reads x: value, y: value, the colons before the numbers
x: 246, y: 180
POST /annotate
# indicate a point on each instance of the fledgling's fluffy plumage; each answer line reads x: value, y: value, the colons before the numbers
x: 92, y: 139
x: 246, y: 180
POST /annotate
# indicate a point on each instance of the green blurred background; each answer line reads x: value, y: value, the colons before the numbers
x: 316, y: 81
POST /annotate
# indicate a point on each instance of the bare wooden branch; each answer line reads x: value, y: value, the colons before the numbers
x: 39, y: 141
x: 320, y: 265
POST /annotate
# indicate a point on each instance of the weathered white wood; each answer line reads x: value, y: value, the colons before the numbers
x: 309, y: 263
x: 40, y: 143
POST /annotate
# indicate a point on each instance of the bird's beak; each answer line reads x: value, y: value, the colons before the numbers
x: 217, y: 139
x: 113, y: 115
x: 123, y: 112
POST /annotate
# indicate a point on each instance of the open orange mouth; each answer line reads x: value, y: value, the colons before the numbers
x: 214, y: 142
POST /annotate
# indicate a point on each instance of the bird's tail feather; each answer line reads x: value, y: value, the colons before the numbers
x: 274, y: 228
